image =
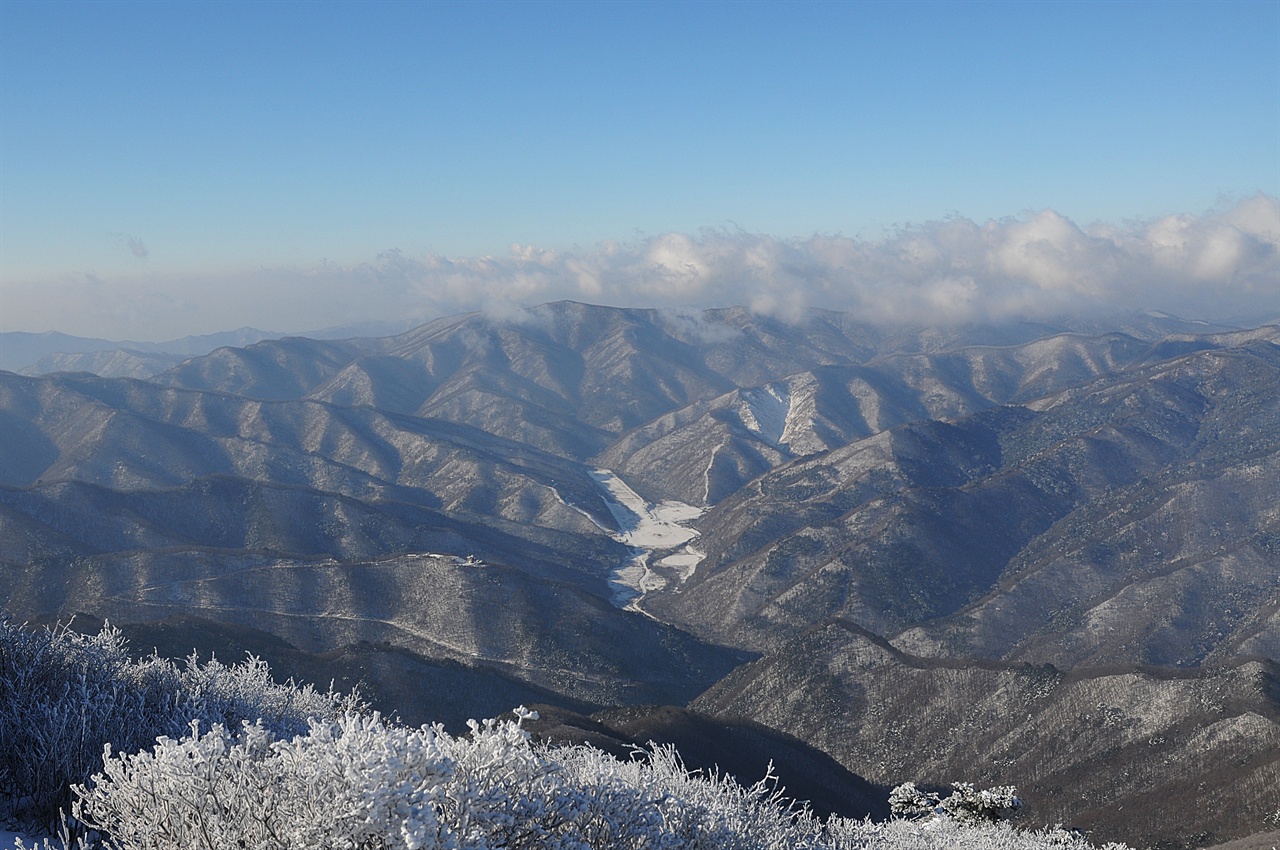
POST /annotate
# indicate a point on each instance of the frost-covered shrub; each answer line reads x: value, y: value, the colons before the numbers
x: 241, y: 762
x: 213, y: 692
x: 343, y: 784
x: 684, y: 809
x: 64, y: 695
x: 360, y: 782
x: 966, y: 804
x: 948, y: 834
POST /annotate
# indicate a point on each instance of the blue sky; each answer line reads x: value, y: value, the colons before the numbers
x: 168, y: 168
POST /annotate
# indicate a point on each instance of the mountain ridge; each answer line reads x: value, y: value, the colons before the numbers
x: 463, y: 502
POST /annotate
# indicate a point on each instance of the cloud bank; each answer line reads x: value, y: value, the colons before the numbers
x: 1221, y: 265
x: 1226, y: 263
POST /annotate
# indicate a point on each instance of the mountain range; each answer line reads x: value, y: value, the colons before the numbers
x: 929, y: 553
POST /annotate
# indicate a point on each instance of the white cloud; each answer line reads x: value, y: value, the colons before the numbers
x: 1037, y: 265
x: 1222, y: 264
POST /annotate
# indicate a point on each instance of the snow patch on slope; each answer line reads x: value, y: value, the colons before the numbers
x: 783, y: 414
x: 765, y: 411
x: 798, y: 434
x: 684, y: 562
x: 642, y: 524
x: 648, y: 528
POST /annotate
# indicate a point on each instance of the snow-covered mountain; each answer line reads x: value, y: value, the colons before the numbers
x: 600, y: 507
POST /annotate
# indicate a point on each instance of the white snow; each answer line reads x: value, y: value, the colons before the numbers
x: 647, y: 528
x: 685, y: 562
x: 706, y: 473
x: 798, y: 433
x: 782, y: 413
x: 642, y: 524
x: 765, y: 411
x: 869, y: 405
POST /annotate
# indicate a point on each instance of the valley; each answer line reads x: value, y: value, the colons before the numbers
x: 1041, y: 554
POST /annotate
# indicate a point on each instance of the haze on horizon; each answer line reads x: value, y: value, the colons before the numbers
x: 181, y: 168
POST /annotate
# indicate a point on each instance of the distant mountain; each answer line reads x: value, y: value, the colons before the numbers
x: 567, y: 379
x: 20, y: 349
x: 728, y: 441
x: 41, y: 353
x: 571, y: 378
x: 369, y: 329
x: 595, y: 507
x: 271, y: 370
x: 116, y: 363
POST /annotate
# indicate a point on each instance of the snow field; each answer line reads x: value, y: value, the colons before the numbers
x: 647, y: 528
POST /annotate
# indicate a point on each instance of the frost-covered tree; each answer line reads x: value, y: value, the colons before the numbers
x: 965, y: 804
x: 908, y: 801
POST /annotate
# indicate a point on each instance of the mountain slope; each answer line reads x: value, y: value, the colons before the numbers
x: 569, y: 378
x: 136, y: 502
x: 1150, y: 756
x: 720, y: 445
x: 915, y: 523
x: 480, y: 503
x: 271, y: 370
x: 118, y: 363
